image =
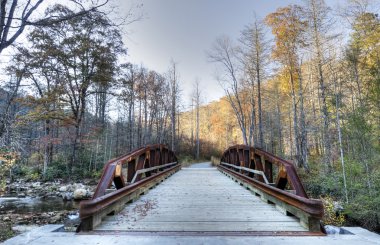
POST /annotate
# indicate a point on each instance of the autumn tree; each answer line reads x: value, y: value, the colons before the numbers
x: 288, y: 27
x: 81, y: 57
x: 16, y: 16
x: 320, y: 25
x: 42, y: 72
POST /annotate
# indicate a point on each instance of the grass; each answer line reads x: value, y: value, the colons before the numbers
x: 6, y: 231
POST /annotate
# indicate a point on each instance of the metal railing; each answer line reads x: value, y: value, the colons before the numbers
x: 247, y: 170
x: 275, y: 180
x: 146, y: 170
x: 132, y: 174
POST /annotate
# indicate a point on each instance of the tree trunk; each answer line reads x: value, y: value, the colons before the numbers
x: 197, y: 126
x: 173, y: 107
x: 261, y: 137
x: 303, y: 135
x: 295, y: 122
x: 340, y: 143
x: 74, y: 150
x: 47, y: 147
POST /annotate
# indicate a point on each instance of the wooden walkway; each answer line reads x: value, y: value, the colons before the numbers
x: 200, y: 200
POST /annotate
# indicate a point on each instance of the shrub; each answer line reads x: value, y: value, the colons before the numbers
x: 365, y: 211
x: 6, y: 231
x: 57, y: 170
x: 215, y: 161
x: 29, y: 173
x: 185, y: 160
x: 332, y: 216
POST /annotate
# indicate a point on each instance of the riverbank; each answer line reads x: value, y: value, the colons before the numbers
x: 12, y: 224
x: 68, y: 191
x: 26, y: 204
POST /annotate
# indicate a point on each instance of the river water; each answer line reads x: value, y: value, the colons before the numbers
x: 35, y: 204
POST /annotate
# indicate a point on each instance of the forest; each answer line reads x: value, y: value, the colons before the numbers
x: 302, y: 82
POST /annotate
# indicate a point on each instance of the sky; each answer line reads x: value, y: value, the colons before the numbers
x: 184, y: 30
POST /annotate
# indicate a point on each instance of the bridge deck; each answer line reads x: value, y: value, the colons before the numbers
x: 200, y: 199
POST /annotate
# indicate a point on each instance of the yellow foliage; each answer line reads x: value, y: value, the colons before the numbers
x: 331, y: 217
x: 7, y: 160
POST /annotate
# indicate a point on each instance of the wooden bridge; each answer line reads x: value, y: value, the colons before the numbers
x: 249, y: 192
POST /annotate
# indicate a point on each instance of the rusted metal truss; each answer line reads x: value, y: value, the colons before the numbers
x: 131, y: 175
x: 275, y: 180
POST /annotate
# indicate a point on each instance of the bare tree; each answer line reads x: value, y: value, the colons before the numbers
x: 7, y: 112
x: 289, y: 27
x: 196, y: 98
x: 174, y: 95
x: 336, y: 81
x: 233, y: 81
x: 255, y: 58
x: 128, y: 82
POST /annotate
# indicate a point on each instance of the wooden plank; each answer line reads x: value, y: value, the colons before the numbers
x: 195, y: 218
x: 200, y: 200
x: 203, y: 226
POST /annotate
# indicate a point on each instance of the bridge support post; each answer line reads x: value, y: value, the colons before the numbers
x: 312, y: 224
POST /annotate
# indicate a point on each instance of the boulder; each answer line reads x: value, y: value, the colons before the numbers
x: 71, y: 224
x: 6, y: 219
x: 80, y: 194
x: 36, y: 184
x: 90, y: 194
x: 78, y: 186
x: 63, y: 189
x: 67, y: 196
x: 55, y: 219
x: 330, y: 229
x: 338, y: 208
x: 21, y: 195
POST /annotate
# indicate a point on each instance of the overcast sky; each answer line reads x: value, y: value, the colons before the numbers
x: 185, y: 29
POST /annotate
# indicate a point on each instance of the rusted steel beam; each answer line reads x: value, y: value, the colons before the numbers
x: 259, y: 166
x: 105, y: 180
x: 254, y: 171
x: 264, y: 161
x: 268, y: 169
x: 149, y: 158
x: 313, y: 207
x: 90, y: 207
x: 92, y: 212
x: 309, y: 211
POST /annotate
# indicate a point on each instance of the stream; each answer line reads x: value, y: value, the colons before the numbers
x: 35, y: 204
